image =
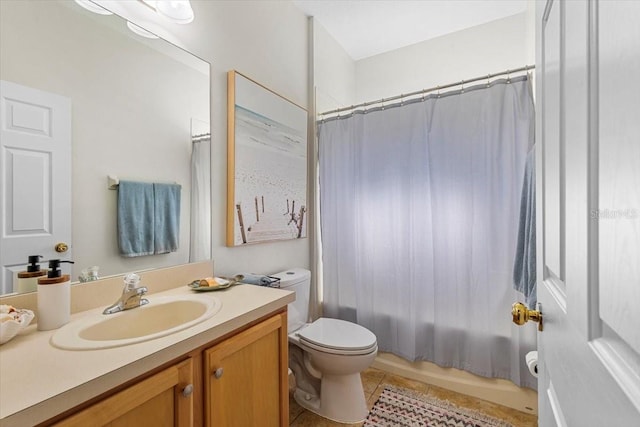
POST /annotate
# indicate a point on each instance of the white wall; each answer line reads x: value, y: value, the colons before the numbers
x: 334, y: 71
x: 268, y: 42
x: 496, y: 46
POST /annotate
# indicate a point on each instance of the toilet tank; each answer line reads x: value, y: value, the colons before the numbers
x: 299, y: 281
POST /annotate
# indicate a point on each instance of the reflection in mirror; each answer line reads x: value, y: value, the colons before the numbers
x: 200, y: 248
x: 135, y: 108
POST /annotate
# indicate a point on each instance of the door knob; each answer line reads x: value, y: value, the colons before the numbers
x: 218, y: 373
x: 61, y: 247
x: 521, y: 315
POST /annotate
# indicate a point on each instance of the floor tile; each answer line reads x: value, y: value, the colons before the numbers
x: 294, y: 409
x: 371, y: 400
x: 374, y: 381
x: 371, y: 379
x: 309, y: 419
x: 398, y: 381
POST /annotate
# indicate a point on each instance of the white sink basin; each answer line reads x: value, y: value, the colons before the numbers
x: 162, y: 316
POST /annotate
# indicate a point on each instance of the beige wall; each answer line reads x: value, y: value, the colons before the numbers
x: 268, y: 42
x: 488, y: 48
x: 334, y: 71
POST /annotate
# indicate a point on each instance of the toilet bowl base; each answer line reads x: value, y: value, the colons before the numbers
x: 341, y: 399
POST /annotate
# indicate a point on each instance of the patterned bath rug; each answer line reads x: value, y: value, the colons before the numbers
x: 401, y: 407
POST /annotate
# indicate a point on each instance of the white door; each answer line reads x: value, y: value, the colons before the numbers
x: 35, y: 177
x: 588, y: 127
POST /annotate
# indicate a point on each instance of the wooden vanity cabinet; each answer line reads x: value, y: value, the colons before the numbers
x: 240, y: 380
x: 245, y: 377
x: 164, y: 399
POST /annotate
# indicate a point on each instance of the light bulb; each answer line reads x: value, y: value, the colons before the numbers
x: 140, y: 31
x: 92, y: 7
x: 178, y: 11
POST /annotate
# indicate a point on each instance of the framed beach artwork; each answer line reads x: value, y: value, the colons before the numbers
x: 266, y: 165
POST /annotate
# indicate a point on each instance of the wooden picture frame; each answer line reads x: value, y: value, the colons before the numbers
x: 266, y: 164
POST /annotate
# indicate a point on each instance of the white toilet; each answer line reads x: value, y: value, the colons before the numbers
x: 326, y: 356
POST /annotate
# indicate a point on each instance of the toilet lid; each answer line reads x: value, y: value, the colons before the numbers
x: 338, y: 334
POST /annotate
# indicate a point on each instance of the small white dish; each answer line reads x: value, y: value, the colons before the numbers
x: 13, y: 321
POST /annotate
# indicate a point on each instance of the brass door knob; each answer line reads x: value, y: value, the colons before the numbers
x: 61, y: 247
x: 521, y: 315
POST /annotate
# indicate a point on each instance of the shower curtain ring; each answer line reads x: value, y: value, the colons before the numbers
x: 488, y: 80
x: 508, y: 76
x: 423, y: 94
x: 462, y: 89
x: 438, y: 93
x: 401, y: 99
x: 382, y: 102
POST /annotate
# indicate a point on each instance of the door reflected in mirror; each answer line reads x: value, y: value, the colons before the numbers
x: 138, y: 110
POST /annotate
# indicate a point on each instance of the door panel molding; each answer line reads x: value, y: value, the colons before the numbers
x: 558, y: 416
x: 552, y: 101
x: 618, y: 208
x: 619, y: 360
x: 556, y: 290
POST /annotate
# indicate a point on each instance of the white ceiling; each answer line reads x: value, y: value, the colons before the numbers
x: 368, y: 27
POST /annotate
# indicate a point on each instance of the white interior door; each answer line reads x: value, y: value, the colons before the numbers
x: 588, y: 127
x: 35, y: 179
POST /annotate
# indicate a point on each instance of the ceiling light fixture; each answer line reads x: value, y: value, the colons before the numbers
x: 178, y: 11
x: 140, y: 31
x: 92, y: 7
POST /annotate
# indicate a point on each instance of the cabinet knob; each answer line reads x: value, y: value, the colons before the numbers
x: 186, y: 392
x: 218, y: 372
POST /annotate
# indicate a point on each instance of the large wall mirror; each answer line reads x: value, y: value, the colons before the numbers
x: 138, y: 110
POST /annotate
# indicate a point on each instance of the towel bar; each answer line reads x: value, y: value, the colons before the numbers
x: 113, y: 182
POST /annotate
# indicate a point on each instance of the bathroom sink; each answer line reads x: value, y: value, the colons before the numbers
x: 162, y: 316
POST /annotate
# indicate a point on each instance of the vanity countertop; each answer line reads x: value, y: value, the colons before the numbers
x: 39, y: 381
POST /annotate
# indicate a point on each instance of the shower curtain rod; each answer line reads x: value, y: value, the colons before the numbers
x: 423, y: 91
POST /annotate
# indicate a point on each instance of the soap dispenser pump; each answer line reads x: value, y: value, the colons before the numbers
x: 28, y: 279
x: 54, y: 297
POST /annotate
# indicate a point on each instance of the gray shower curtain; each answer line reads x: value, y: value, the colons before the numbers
x: 419, y: 219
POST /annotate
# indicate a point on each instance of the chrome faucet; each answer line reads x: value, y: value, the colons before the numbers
x: 131, y: 295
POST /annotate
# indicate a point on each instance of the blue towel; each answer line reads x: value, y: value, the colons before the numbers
x: 524, y: 268
x: 167, y: 218
x: 255, y: 279
x: 135, y: 219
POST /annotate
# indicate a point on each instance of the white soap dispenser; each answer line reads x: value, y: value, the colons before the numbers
x: 54, y: 298
x: 28, y: 279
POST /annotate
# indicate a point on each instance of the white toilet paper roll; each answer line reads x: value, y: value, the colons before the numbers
x: 292, y: 381
x: 532, y: 362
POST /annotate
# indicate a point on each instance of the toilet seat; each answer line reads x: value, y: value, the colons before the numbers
x: 336, y: 336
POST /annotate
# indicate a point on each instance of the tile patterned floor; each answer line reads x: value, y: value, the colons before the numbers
x: 374, y: 380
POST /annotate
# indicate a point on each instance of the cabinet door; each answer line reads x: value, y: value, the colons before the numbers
x: 156, y: 401
x: 245, y: 382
